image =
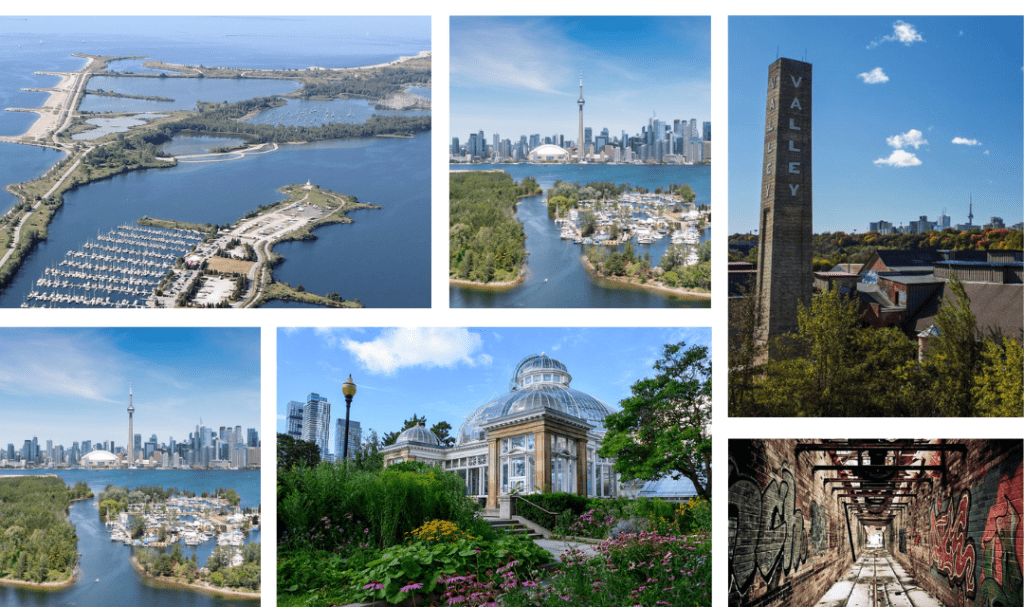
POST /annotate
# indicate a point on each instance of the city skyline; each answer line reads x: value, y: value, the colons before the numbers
x: 446, y: 373
x: 632, y: 68
x: 914, y: 116
x: 177, y: 375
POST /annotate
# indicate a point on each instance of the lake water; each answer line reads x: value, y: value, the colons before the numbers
x: 313, y: 112
x: 107, y: 577
x: 383, y: 259
x: 568, y: 284
x: 21, y: 163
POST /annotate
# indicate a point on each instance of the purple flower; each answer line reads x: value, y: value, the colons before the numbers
x: 411, y: 586
x: 374, y: 585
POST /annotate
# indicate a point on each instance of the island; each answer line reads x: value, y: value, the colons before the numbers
x: 89, y: 160
x: 602, y: 215
x: 486, y: 242
x: 40, y: 546
x: 156, y: 521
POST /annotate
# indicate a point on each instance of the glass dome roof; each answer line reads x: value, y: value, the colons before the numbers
x: 539, y: 382
x: 418, y: 434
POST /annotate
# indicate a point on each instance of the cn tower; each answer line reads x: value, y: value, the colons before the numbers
x: 131, y: 436
x: 580, y: 152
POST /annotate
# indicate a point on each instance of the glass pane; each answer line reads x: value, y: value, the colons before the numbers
x: 547, y: 377
x: 529, y: 442
x: 519, y: 467
x: 519, y: 441
x: 486, y: 480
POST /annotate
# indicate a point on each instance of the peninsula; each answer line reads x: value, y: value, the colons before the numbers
x: 89, y: 160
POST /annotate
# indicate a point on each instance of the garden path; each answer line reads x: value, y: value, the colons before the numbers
x: 557, y: 547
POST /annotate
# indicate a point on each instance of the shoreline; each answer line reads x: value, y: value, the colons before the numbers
x: 490, y: 286
x: 60, y: 95
x: 193, y: 586
x: 650, y: 287
x: 43, y: 585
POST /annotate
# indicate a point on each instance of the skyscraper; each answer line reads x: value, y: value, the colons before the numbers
x: 316, y: 421
x: 579, y: 142
x: 295, y: 419
x: 355, y: 437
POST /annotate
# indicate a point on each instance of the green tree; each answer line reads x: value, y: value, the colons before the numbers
x: 955, y: 355
x: 999, y: 386
x: 442, y: 430
x: 293, y: 452
x: 662, y: 429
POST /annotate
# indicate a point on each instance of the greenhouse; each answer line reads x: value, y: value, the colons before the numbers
x: 543, y: 435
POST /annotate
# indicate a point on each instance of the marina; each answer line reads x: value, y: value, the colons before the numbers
x: 555, y: 275
x: 119, y: 269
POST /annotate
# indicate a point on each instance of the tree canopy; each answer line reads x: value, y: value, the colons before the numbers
x: 664, y: 429
x: 293, y: 452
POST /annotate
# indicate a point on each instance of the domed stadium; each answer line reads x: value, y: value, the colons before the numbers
x: 99, y: 459
x: 548, y: 153
x: 541, y: 435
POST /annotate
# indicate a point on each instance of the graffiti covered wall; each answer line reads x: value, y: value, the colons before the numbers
x: 963, y: 532
x: 785, y: 529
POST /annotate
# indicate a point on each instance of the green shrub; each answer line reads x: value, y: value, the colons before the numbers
x: 328, y: 507
x: 552, y: 502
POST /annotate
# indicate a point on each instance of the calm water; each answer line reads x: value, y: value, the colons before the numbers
x: 21, y: 163
x: 383, y: 259
x: 305, y: 112
x: 107, y: 577
x: 568, y: 283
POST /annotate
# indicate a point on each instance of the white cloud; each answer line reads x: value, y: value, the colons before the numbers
x: 282, y: 417
x: 407, y: 347
x: 986, y: 152
x: 913, y: 137
x: 901, y: 32
x: 899, y: 158
x: 965, y: 141
x: 874, y: 76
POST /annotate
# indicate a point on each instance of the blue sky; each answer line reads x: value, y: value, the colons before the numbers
x: 520, y: 75
x: 911, y: 115
x: 71, y: 384
x: 446, y: 373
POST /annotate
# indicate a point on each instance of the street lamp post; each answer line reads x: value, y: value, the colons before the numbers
x: 349, y: 390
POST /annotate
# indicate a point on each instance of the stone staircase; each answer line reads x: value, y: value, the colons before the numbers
x: 514, y: 527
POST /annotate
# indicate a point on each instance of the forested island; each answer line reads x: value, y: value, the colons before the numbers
x: 38, y: 546
x: 486, y: 242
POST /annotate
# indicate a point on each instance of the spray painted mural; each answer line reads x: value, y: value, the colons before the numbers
x: 952, y: 548
x: 766, y: 530
x: 1002, y: 547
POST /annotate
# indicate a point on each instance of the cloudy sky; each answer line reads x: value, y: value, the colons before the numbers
x: 520, y: 75
x: 71, y: 384
x: 446, y: 373
x: 911, y: 115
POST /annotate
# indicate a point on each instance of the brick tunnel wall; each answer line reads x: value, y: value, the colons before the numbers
x: 786, y: 530
x: 961, y: 538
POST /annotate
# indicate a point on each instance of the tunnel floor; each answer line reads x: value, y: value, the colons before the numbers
x: 877, y: 580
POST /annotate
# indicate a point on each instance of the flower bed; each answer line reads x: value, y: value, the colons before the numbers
x: 645, y: 569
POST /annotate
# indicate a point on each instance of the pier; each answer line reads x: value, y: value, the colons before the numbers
x: 119, y: 269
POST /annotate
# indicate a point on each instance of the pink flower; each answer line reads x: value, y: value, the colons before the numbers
x: 411, y: 586
x: 374, y: 585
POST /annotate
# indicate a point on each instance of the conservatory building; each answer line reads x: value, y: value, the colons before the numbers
x: 540, y: 435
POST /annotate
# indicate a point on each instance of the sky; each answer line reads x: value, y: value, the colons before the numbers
x: 72, y: 384
x: 446, y: 373
x: 912, y: 115
x: 520, y: 75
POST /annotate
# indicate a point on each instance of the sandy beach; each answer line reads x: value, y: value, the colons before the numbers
x: 54, y: 109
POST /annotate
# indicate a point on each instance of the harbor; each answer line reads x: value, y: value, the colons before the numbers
x: 645, y: 217
x: 119, y: 269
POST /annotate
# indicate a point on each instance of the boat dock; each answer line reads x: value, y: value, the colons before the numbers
x: 119, y: 269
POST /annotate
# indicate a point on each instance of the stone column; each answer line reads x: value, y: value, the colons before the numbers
x: 542, y: 452
x: 581, y: 466
x: 493, y: 473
